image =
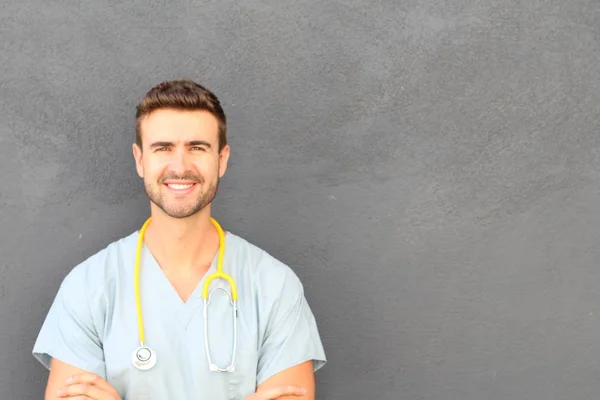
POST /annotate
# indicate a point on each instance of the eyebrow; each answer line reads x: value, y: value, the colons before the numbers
x: 191, y: 143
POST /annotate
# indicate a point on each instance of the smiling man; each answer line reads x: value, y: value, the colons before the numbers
x: 129, y: 322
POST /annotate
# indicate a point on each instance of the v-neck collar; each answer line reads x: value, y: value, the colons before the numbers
x: 165, y: 286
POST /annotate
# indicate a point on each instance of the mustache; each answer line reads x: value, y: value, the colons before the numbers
x: 186, y: 177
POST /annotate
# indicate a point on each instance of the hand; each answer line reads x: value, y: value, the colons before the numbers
x: 276, y: 392
x: 87, y: 387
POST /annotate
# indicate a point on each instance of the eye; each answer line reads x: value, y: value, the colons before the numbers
x: 198, y: 148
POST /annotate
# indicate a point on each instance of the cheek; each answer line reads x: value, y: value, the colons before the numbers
x: 207, y: 169
x: 153, y: 171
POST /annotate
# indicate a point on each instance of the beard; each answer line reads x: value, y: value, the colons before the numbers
x: 204, y: 197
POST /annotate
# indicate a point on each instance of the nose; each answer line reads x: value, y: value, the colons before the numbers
x: 179, y: 162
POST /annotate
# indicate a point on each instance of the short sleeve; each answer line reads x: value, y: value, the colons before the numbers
x: 291, y: 336
x: 68, y: 333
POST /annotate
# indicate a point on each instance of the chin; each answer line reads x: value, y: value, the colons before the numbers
x: 181, y: 213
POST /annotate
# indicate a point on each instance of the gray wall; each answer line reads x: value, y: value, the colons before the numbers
x: 429, y: 169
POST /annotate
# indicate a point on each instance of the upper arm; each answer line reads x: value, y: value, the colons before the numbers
x: 69, y: 339
x: 291, y: 349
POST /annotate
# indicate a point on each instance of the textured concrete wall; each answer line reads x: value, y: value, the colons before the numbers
x: 429, y: 169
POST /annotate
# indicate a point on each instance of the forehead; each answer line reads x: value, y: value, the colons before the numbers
x: 179, y: 125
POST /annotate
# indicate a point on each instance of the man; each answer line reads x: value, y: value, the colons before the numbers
x: 94, y: 326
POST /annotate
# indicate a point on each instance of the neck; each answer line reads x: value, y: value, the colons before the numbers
x: 186, y: 245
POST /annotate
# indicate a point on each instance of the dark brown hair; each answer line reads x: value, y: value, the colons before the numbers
x: 181, y: 95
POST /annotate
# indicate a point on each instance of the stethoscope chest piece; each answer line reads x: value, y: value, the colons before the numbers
x: 143, y: 358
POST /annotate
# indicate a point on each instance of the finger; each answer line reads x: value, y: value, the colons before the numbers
x: 83, y: 391
x: 276, y: 392
x: 94, y: 380
x: 76, y: 397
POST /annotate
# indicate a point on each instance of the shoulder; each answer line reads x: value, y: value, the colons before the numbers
x: 81, y: 310
x: 98, y: 273
x: 269, y: 275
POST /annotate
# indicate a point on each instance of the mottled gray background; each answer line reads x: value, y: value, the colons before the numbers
x: 429, y: 169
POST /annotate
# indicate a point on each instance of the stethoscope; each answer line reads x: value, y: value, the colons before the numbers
x: 144, y: 358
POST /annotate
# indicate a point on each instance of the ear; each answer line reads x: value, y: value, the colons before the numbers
x: 223, y: 160
x: 137, y: 155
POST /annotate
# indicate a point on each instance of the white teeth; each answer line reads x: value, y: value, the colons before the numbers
x: 180, y: 187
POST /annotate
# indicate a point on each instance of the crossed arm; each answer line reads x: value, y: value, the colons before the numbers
x: 301, y: 375
x: 66, y: 381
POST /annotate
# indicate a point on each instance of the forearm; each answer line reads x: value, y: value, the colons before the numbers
x: 301, y: 375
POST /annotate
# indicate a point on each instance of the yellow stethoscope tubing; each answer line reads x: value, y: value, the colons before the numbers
x: 219, y: 273
x: 209, y: 279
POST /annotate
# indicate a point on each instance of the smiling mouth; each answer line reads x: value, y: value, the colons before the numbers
x: 180, y: 186
x: 181, y: 189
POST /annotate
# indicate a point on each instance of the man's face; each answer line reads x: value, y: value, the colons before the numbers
x: 180, y: 162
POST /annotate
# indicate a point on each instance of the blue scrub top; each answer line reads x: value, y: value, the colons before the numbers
x: 92, y: 324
